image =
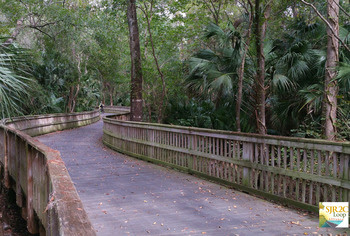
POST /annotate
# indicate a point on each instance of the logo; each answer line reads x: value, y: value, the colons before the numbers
x: 334, y: 214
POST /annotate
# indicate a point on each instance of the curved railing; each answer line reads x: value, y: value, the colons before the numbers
x: 44, y: 189
x: 294, y: 171
x: 116, y: 109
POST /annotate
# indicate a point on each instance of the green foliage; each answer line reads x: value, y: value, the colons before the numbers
x: 14, y: 81
x: 82, y: 48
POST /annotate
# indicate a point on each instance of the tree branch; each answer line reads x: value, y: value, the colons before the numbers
x: 38, y: 29
x: 46, y: 24
x: 342, y: 9
x: 327, y: 23
x: 212, y: 11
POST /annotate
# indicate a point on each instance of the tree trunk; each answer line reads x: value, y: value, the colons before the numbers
x: 70, y: 99
x: 136, y: 69
x: 331, y: 86
x: 260, y: 32
x: 111, y: 96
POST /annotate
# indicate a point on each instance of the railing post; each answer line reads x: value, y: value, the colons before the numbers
x: 346, y: 176
x: 152, y: 140
x: 31, y: 221
x: 190, y: 148
x: 6, y: 163
x: 19, y: 196
x: 247, y: 154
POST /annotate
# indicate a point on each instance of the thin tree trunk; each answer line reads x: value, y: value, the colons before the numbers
x: 215, y: 11
x: 136, y: 69
x: 77, y: 87
x: 260, y: 31
x: 163, y: 94
x: 111, y: 96
x: 241, y: 71
x: 15, y: 33
x: 331, y: 86
x: 70, y: 98
x: 75, y: 97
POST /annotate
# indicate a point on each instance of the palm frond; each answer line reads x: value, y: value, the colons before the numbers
x: 13, y: 86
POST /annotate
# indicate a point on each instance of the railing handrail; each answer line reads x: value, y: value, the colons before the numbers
x: 7, y: 121
x: 63, y: 202
x: 268, y: 139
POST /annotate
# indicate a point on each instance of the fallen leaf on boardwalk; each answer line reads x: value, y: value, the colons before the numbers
x: 79, y: 209
x: 154, y: 223
x: 307, y: 227
x: 235, y: 227
x: 104, y: 212
x: 144, y: 201
x: 234, y: 206
x: 306, y: 233
x: 222, y: 219
x: 204, y: 232
x: 295, y: 223
x: 161, y: 224
x: 229, y: 209
x: 100, y: 203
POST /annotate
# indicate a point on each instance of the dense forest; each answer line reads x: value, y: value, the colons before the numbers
x: 273, y: 67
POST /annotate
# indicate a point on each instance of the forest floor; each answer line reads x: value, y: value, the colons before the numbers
x: 11, y: 221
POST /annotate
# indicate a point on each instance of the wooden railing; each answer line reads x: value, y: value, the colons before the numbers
x: 294, y: 171
x: 44, y: 189
x: 116, y: 109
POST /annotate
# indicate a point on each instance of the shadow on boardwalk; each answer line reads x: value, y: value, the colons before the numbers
x: 125, y: 196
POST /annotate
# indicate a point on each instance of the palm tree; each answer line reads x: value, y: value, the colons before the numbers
x: 295, y: 72
x: 213, y: 72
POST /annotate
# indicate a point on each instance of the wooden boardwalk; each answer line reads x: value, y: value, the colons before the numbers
x: 125, y: 196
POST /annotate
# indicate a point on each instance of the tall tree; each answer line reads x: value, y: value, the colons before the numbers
x: 136, y: 68
x: 330, y: 85
x: 262, y: 13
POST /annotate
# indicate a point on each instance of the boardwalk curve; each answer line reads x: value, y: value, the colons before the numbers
x: 125, y: 196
